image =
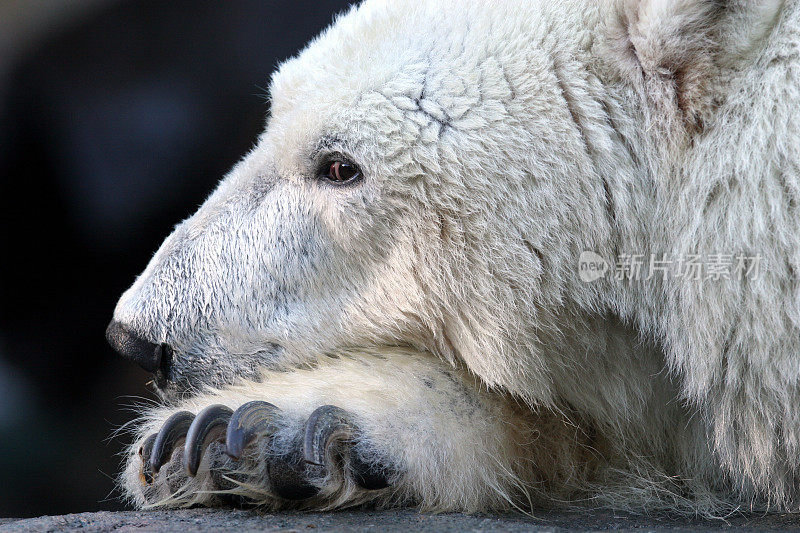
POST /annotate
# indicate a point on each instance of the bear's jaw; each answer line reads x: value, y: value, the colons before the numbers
x: 189, y: 373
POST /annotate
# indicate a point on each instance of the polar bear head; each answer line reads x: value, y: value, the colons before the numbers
x: 428, y: 177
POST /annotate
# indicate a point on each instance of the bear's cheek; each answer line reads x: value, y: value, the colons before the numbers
x: 346, y: 224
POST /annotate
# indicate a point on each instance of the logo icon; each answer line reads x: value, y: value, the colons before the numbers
x: 591, y: 266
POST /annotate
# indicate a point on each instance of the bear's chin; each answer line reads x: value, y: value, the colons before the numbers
x: 180, y: 382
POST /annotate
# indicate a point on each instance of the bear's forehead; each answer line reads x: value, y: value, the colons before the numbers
x: 413, y: 83
x: 406, y: 52
x: 362, y: 50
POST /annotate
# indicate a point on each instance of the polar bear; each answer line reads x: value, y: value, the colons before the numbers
x: 489, y: 257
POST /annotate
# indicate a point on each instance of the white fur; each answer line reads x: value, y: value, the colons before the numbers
x: 497, y: 143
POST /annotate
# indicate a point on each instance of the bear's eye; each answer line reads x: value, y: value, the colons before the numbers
x: 340, y: 172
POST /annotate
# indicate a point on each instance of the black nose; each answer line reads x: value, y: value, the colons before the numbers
x: 131, y: 346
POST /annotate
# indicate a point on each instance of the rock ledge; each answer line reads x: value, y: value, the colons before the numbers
x: 394, y: 521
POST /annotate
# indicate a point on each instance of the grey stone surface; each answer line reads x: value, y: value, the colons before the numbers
x: 405, y: 521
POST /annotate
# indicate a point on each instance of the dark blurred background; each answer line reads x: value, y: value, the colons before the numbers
x: 116, y: 120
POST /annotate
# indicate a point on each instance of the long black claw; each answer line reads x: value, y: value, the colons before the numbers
x: 145, y: 450
x: 208, y: 425
x: 246, y: 423
x: 325, y: 424
x: 173, y: 430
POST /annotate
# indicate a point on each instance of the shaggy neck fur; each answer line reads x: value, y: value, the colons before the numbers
x: 643, y: 158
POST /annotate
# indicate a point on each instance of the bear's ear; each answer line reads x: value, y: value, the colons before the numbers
x: 674, y: 51
x: 668, y: 48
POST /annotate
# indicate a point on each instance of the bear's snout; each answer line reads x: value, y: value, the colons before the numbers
x: 150, y: 356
